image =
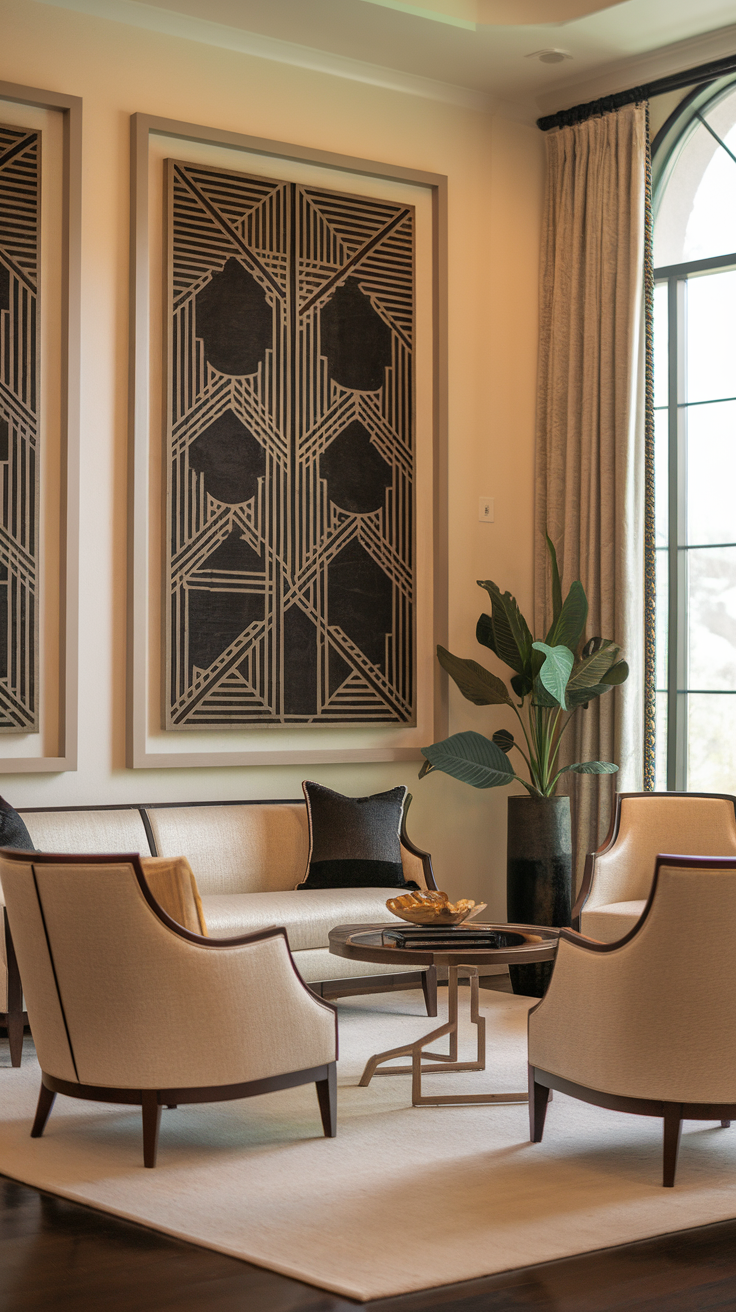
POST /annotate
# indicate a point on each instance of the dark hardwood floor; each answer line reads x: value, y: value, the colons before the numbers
x: 59, y: 1255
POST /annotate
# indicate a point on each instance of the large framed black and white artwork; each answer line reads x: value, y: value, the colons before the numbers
x: 288, y: 453
x: 40, y: 244
x: 20, y: 205
x: 290, y: 462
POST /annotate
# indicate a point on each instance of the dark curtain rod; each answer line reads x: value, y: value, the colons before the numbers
x: 675, y: 82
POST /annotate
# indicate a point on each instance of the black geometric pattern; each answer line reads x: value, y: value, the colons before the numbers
x: 20, y: 157
x: 650, y: 553
x: 291, y: 454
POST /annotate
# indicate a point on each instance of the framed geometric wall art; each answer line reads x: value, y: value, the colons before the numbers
x: 290, y: 464
x: 290, y: 503
x: 40, y: 168
x: 20, y: 261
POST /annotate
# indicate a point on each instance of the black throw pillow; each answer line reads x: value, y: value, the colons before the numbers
x: 13, y: 832
x: 354, y: 841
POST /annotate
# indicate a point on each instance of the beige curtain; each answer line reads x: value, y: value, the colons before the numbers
x: 590, y: 429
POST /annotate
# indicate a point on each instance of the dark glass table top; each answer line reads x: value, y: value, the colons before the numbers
x: 470, y: 943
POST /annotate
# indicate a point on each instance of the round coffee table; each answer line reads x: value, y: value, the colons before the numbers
x: 458, y: 950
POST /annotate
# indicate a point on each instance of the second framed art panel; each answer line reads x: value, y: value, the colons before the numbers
x: 40, y: 217
x: 287, y: 524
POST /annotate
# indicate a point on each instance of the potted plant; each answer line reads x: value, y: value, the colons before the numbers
x: 551, y: 681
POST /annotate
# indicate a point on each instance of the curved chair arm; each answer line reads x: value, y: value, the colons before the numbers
x: 424, y: 857
x: 590, y: 860
x: 585, y: 1027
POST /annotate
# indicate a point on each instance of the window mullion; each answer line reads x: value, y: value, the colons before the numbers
x: 677, y: 535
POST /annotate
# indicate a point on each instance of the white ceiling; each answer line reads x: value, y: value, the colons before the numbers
x: 461, y: 50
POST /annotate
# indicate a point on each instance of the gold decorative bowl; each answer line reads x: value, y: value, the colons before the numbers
x: 424, y: 908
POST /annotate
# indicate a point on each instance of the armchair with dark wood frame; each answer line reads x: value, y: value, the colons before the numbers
x: 127, y: 1006
x: 646, y: 1024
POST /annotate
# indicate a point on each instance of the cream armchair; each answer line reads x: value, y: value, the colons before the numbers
x: 647, y: 1024
x: 618, y: 877
x: 127, y: 1006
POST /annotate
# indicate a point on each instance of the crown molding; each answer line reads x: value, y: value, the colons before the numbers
x: 184, y: 26
x: 640, y: 69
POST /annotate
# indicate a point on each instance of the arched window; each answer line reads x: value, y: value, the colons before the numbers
x: 694, y: 163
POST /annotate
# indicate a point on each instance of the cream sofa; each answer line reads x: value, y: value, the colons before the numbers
x: 247, y: 858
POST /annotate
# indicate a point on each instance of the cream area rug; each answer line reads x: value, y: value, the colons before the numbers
x: 404, y: 1198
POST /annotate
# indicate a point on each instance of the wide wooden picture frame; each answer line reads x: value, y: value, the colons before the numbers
x: 50, y: 745
x: 153, y: 740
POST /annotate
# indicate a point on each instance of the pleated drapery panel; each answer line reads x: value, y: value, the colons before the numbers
x: 590, y: 429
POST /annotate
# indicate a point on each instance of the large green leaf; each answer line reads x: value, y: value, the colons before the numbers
x: 590, y: 671
x: 591, y: 767
x: 541, y: 697
x: 512, y: 638
x: 555, y: 672
x: 581, y: 696
x: 504, y: 640
x: 556, y: 585
x: 484, y: 632
x: 519, y: 629
x: 569, y: 626
x: 617, y: 674
x: 472, y: 759
x: 474, y: 681
x: 591, y: 645
x: 503, y: 739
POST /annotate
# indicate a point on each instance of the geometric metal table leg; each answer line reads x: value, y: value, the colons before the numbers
x: 434, y: 1062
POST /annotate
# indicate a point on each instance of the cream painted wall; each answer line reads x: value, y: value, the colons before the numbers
x: 495, y: 170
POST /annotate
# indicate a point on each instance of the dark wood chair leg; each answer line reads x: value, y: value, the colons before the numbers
x: 539, y: 1096
x: 672, y: 1130
x: 46, y: 1100
x: 725, y: 1124
x: 327, y: 1095
x: 151, y: 1111
x: 14, y: 1015
x: 429, y: 989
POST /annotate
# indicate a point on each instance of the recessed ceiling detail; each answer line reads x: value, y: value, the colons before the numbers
x: 499, y: 13
x: 461, y: 57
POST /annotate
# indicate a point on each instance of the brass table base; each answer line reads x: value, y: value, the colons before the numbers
x: 443, y: 1062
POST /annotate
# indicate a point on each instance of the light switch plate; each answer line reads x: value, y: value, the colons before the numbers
x: 486, y: 510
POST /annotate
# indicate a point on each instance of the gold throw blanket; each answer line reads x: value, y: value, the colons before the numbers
x: 171, y: 880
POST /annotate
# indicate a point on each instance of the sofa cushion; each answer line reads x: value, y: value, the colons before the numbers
x: 250, y: 847
x: 307, y: 917
x: 609, y: 923
x: 113, y: 830
x: 353, y: 841
x: 171, y: 881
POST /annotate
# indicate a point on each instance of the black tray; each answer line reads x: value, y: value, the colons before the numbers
x: 437, y: 937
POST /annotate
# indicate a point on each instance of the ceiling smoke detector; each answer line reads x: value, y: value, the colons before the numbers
x: 550, y: 56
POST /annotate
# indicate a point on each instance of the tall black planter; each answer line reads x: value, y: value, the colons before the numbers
x: 538, y: 875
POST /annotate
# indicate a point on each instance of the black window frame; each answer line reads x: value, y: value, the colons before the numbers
x: 665, y: 150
